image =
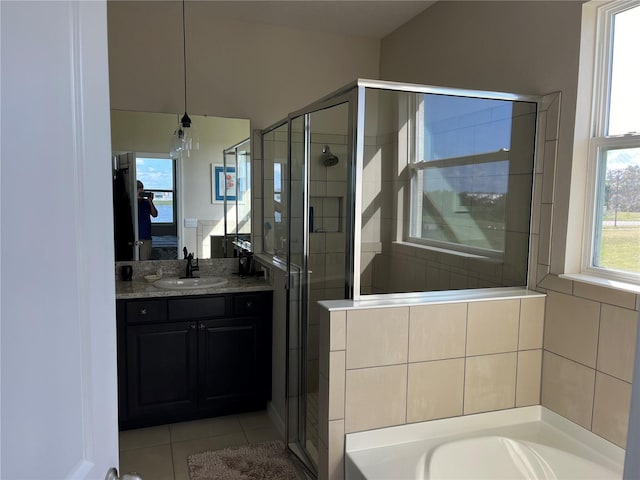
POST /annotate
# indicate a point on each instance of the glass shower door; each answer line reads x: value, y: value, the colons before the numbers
x: 320, y: 163
x: 297, y: 295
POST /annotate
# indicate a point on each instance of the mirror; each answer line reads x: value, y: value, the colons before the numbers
x: 201, y: 199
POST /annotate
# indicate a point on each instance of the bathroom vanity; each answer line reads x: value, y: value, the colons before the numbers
x: 192, y: 354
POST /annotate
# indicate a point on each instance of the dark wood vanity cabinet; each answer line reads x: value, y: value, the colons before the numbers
x: 181, y: 358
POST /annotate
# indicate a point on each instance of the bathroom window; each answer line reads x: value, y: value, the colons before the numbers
x: 158, y: 177
x: 464, y: 165
x: 277, y: 192
x: 612, y: 223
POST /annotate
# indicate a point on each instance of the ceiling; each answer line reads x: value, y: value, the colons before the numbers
x: 365, y: 18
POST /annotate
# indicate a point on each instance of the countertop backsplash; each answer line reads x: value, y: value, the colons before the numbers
x: 176, y: 268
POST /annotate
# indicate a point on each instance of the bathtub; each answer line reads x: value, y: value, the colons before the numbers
x: 521, y: 443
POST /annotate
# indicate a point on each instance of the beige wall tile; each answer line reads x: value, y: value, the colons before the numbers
x: 435, y: 389
x: 317, y: 240
x: 571, y: 327
x: 437, y: 331
x: 611, y: 407
x: 492, y: 327
x: 336, y: 241
x: 324, y: 320
x: 336, y: 384
x: 567, y: 388
x: 338, y: 330
x: 490, y: 383
x: 528, y: 378
x: 323, y: 408
x: 336, y: 450
x: 515, y: 259
x: 542, y: 271
x: 531, y: 323
x: 617, y: 341
x: 334, y: 270
x: 550, y: 150
x: 536, y: 204
x: 557, y: 284
x: 375, y: 397
x: 519, y: 195
x: 532, y: 264
x: 604, y: 294
x: 544, y: 245
x: 377, y: 337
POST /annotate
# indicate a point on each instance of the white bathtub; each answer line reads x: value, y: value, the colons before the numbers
x: 521, y: 443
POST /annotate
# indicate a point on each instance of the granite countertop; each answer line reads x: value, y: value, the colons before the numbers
x: 144, y: 289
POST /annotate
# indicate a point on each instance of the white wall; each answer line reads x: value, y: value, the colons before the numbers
x: 254, y: 71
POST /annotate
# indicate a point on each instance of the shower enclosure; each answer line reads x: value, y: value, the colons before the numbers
x: 236, y: 197
x: 384, y: 188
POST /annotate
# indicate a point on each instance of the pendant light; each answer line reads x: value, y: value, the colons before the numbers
x: 184, y: 139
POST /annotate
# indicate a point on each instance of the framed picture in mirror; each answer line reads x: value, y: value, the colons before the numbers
x: 224, y: 183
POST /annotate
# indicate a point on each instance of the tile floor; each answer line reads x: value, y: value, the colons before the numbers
x: 160, y: 453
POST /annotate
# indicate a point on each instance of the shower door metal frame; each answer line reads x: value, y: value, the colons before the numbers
x: 349, y: 96
x: 362, y: 85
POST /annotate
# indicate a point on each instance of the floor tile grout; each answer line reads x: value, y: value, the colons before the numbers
x: 260, y: 423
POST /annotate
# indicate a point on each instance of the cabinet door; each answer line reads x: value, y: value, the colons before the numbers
x: 162, y: 370
x: 231, y: 354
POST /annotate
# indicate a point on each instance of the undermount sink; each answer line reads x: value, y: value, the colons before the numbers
x: 174, y: 283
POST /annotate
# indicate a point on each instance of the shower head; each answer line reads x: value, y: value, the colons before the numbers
x: 328, y: 158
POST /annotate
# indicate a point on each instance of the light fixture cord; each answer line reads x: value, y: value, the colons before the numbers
x: 184, y: 56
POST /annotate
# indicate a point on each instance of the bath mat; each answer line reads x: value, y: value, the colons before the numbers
x: 261, y: 461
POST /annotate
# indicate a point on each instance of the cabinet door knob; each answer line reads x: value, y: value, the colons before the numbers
x: 142, y: 311
x: 202, y: 327
x: 249, y: 304
x: 193, y: 325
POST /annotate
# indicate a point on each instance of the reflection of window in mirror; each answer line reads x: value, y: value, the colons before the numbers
x: 277, y: 192
x: 158, y: 176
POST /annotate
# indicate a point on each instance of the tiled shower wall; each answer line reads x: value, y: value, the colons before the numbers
x: 589, y: 349
x: 586, y: 361
x: 588, y: 342
x: 328, y: 193
x: 390, y: 366
x: 590, y: 331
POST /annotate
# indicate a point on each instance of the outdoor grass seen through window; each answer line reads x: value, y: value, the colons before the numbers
x: 619, y: 232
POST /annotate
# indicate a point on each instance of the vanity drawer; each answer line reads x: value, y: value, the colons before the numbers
x: 147, y: 311
x: 251, y: 304
x: 190, y: 308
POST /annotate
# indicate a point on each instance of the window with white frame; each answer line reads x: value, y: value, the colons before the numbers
x: 468, y: 153
x: 612, y: 223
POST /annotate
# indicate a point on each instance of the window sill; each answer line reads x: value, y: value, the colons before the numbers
x: 602, y: 282
x: 447, y: 251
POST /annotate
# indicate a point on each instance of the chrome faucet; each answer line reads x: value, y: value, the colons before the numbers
x: 190, y: 266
